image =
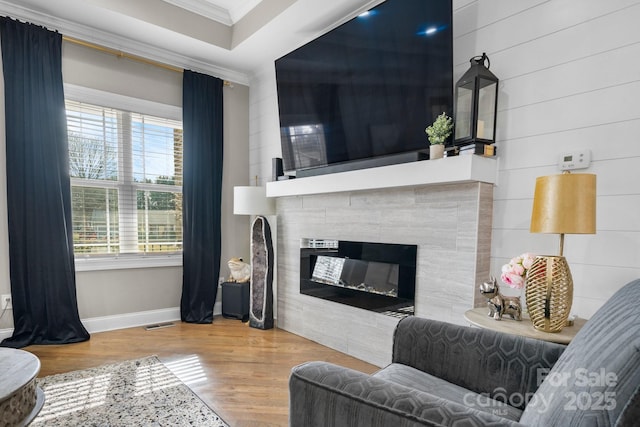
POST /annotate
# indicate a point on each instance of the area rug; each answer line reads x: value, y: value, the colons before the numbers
x: 142, y: 392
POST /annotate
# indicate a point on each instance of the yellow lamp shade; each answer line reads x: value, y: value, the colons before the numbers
x: 564, y: 204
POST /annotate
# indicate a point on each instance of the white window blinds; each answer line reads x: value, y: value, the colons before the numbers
x: 126, y: 181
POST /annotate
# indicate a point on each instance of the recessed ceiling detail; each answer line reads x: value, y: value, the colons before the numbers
x: 230, y: 39
x: 227, y: 12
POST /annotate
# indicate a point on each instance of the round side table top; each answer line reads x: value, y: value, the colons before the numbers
x: 479, y: 317
x: 18, y: 370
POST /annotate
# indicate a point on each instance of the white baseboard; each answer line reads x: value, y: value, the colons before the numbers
x: 127, y: 320
x: 5, y: 333
x: 130, y: 320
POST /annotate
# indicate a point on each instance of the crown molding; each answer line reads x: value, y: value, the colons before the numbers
x: 205, y: 9
x: 115, y: 41
x: 238, y: 12
x: 212, y: 11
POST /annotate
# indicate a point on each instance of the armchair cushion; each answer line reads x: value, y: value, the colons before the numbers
x: 324, y: 394
x: 418, y: 380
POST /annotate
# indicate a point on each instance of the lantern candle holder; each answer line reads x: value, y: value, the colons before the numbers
x: 476, y: 104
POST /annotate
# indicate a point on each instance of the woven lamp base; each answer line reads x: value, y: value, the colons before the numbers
x: 549, y: 293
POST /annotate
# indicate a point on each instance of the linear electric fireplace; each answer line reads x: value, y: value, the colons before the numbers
x: 374, y: 276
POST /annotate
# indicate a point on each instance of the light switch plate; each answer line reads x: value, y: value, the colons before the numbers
x: 579, y: 159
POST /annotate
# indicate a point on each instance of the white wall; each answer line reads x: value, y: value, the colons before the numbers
x: 569, y: 79
x: 111, y: 298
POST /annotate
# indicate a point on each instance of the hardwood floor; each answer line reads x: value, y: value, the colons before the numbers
x: 243, y: 372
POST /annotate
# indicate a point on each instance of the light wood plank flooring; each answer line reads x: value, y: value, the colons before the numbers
x: 247, y: 370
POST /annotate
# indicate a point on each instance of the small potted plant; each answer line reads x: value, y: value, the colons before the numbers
x: 438, y: 133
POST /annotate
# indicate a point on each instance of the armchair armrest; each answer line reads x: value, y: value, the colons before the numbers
x: 324, y: 394
x: 508, y: 368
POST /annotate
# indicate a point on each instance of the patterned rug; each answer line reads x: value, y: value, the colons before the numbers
x: 141, y: 392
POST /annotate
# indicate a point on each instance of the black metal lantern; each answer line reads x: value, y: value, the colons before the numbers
x: 476, y: 104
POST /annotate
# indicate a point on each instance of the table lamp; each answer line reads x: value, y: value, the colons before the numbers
x: 562, y: 204
x: 254, y: 201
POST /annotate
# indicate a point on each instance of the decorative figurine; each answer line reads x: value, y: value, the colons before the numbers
x: 499, y: 304
x: 240, y: 270
x: 261, y: 295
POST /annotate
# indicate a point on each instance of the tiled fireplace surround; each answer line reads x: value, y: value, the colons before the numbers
x: 450, y: 222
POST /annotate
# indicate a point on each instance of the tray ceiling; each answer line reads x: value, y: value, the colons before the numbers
x: 231, y: 39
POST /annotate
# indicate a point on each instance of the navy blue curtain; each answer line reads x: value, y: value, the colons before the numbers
x: 202, y: 190
x: 43, y: 286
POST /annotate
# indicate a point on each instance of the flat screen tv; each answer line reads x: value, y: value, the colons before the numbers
x: 368, y: 88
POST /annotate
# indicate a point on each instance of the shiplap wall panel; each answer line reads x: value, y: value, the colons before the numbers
x: 607, y: 69
x: 554, y: 32
x: 613, y: 213
x: 618, y: 213
x: 509, y: 242
x: 520, y: 183
x: 599, y: 249
x: 515, y: 213
x: 594, y: 280
x: 458, y: 5
x: 264, y: 127
x: 596, y: 249
x: 618, y: 177
x: 613, y: 177
x: 469, y: 16
x: 577, y: 111
x: 610, y: 141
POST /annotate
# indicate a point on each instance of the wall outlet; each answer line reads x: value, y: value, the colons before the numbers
x: 5, y: 302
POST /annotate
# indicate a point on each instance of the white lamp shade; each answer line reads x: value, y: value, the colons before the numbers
x: 252, y: 201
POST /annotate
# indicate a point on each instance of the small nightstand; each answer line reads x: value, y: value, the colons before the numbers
x: 479, y: 317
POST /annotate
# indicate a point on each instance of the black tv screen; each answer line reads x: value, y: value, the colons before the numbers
x: 367, y: 88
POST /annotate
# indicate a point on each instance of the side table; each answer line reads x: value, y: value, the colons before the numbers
x: 20, y: 397
x: 479, y: 317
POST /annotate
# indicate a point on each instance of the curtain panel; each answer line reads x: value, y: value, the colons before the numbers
x: 43, y: 283
x: 202, y: 190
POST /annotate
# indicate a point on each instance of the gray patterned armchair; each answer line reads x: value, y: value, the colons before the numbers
x: 445, y: 375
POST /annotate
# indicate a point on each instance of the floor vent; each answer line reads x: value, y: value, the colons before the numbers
x: 159, y: 325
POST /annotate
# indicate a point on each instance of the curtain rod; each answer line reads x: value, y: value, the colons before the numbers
x: 121, y: 54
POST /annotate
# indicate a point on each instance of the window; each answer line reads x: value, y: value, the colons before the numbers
x: 126, y: 181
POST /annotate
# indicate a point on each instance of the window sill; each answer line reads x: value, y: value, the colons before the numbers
x: 128, y: 262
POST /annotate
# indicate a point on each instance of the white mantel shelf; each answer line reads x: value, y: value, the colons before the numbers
x: 457, y: 169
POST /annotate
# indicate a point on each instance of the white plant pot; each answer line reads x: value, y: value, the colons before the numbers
x: 436, y: 151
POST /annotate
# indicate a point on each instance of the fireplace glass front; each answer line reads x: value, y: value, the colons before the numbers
x: 374, y: 276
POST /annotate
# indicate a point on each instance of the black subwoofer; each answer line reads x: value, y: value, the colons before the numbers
x: 235, y: 300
